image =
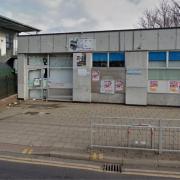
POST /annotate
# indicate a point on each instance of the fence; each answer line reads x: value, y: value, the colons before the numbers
x: 136, y: 133
x: 8, y: 85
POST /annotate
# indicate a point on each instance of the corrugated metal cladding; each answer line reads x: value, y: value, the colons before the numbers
x: 160, y: 39
x: 138, y: 67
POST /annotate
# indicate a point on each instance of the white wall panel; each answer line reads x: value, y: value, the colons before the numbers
x: 47, y: 43
x: 145, y: 40
x: 167, y: 39
x: 60, y: 43
x: 23, y: 44
x: 102, y: 41
x: 114, y: 41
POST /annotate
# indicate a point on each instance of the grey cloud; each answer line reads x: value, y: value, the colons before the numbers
x: 74, y: 11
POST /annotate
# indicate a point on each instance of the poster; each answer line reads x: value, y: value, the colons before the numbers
x: 81, y: 60
x: 119, y: 85
x: 174, y: 86
x: 107, y: 86
x: 82, y: 72
x: 95, y: 76
x: 153, y: 86
x: 82, y: 44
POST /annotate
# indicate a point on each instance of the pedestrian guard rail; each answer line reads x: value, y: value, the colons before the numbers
x: 162, y: 135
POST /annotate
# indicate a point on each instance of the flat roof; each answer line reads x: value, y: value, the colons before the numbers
x: 101, y: 31
x: 13, y: 25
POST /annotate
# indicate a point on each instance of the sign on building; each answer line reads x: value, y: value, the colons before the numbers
x: 82, y: 44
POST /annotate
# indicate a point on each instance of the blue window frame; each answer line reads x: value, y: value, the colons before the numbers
x: 157, y: 56
x: 117, y: 59
x: 117, y: 56
x: 174, y: 56
x: 100, y: 59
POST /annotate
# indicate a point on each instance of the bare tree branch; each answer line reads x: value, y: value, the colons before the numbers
x: 167, y: 14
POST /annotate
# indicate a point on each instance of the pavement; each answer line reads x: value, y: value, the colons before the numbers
x: 63, y: 130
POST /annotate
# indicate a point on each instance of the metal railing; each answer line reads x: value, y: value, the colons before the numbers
x: 136, y: 133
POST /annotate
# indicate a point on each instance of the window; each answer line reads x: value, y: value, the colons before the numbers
x: 100, y: 59
x: 114, y: 59
x: 157, y: 56
x: 157, y: 59
x: 9, y: 41
x: 174, y: 56
x: 164, y: 74
x: 117, y: 59
x: 174, y: 59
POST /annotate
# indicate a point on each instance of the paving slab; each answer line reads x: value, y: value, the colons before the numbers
x: 64, y: 127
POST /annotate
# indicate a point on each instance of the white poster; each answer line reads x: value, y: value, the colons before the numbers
x: 119, y: 85
x: 82, y: 72
x: 95, y: 75
x: 107, y: 86
x: 82, y: 44
x: 174, y: 86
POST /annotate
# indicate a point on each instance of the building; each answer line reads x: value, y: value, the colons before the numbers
x: 135, y: 67
x: 9, y: 30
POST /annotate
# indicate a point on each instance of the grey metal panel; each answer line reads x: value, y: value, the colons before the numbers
x: 21, y: 75
x: 167, y: 39
x: 136, y: 96
x: 87, y: 35
x: 178, y: 39
x: 146, y: 40
x: 102, y: 41
x: 47, y: 43
x: 60, y: 43
x: 114, y: 41
x: 122, y: 41
x: 136, y: 60
x: 164, y: 99
x: 82, y: 86
x: 35, y: 44
x: 113, y: 98
x: 137, y: 80
x: 23, y: 44
x: 128, y: 36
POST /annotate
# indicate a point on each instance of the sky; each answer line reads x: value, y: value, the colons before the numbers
x: 53, y: 16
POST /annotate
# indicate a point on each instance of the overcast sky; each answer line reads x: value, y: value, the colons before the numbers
x: 76, y: 15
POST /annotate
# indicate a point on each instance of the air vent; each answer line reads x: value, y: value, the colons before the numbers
x: 112, y: 168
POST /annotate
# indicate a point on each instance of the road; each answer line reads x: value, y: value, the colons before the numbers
x: 13, y: 170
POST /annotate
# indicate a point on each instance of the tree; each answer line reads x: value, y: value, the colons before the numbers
x: 167, y: 14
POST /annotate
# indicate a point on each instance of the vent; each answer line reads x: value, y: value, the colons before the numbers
x: 112, y: 168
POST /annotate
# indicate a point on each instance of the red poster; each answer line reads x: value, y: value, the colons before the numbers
x: 153, y: 85
x: 95, y: 76
x: 119, y: 85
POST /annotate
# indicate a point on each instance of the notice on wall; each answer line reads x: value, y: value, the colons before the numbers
x: 95, y: 75
x: 153, y: 85
x: 107, y: 86
x: 174, y: 86
x: 81, y: 60
x: 82, y: 72
x: 82, y: 44
x: 119, y: 85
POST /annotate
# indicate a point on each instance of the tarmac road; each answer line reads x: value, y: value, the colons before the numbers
x: 13, y: 170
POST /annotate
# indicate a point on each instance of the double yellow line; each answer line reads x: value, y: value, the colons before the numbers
x: 27, y: 151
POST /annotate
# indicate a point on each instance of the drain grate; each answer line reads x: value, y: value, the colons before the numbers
x: 112, y: 167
